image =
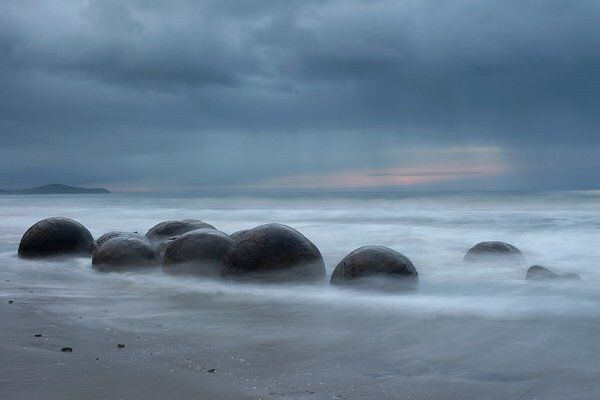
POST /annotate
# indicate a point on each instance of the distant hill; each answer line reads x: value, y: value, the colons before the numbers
x: 56, y: 189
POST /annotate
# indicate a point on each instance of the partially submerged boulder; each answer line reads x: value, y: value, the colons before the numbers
x: 494, y: 251
x: 113, y: 234
x: 168, y: 229
x: 124, y: 252
x: 56, y: 236
x: 539, y: 273
x: 376, y: 265
x: 273, y: 253
x: 197, y: 252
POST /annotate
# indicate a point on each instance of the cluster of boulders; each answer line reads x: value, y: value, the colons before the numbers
x: 266, y: 253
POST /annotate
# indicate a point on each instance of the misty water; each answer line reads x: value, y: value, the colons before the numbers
x: 468, y: 332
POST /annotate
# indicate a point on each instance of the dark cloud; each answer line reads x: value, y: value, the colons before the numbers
x: 226, y: 92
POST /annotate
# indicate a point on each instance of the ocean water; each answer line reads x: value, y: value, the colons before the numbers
x: 469, y: 331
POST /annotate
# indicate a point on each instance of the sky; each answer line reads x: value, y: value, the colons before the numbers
x: 174, y: 95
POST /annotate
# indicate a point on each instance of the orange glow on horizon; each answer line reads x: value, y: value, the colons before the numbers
x: 387, y: 177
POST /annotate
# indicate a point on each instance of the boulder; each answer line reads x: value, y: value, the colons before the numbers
x: 168, y: 229
x: 197, y: 252
x: 571, y: 276
x: 124, y: 252
x: 109, y: 235
x: 273, y: 253
x: 376, y: 264
x: 539, y: 273
x: 494, y: 251
x: 57, y: 236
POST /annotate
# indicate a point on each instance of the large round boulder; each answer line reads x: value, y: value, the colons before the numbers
x: 168, y: 229
x: 113, y: 234
x: 495, y: 251
x: 273, y: 253
x: 57, y: 236
x: 376, y: 265
x: 197, y: 252
x: 539, y: 273
x: 123, y: 253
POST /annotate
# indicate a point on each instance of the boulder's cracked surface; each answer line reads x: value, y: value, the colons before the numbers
x: 273, y: 252
x: 375, y: 262
x: 199, y: 252
x: 236, y: 234
x: 56, y: 236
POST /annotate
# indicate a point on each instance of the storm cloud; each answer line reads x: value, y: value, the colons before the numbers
x: 163, y: 95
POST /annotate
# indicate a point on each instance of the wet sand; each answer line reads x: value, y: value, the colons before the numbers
x: 36, y: 368
x: 365, y: 358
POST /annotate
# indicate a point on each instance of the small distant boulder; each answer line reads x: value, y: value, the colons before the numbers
x: 197, y: 252
x: 381, y: 265
x: 273, y: 253
x: 571, y: 276
x: 124, y: 252
x: 539, y: 273
x: 57, y: 236
x: 490, y: 251
x: 168, y: 229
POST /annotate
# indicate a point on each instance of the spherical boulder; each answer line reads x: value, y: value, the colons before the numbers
x: 113, y: 234
x: 539, y: 273
x: 57, y: 236
x: 379, y: 264
x: 169, y: 229
x: 494, y: 251
x: 197, y: 252
x: 124, y: 252
x: 273, y: 253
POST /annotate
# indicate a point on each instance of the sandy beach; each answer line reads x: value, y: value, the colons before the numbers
x: 36, y: 368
